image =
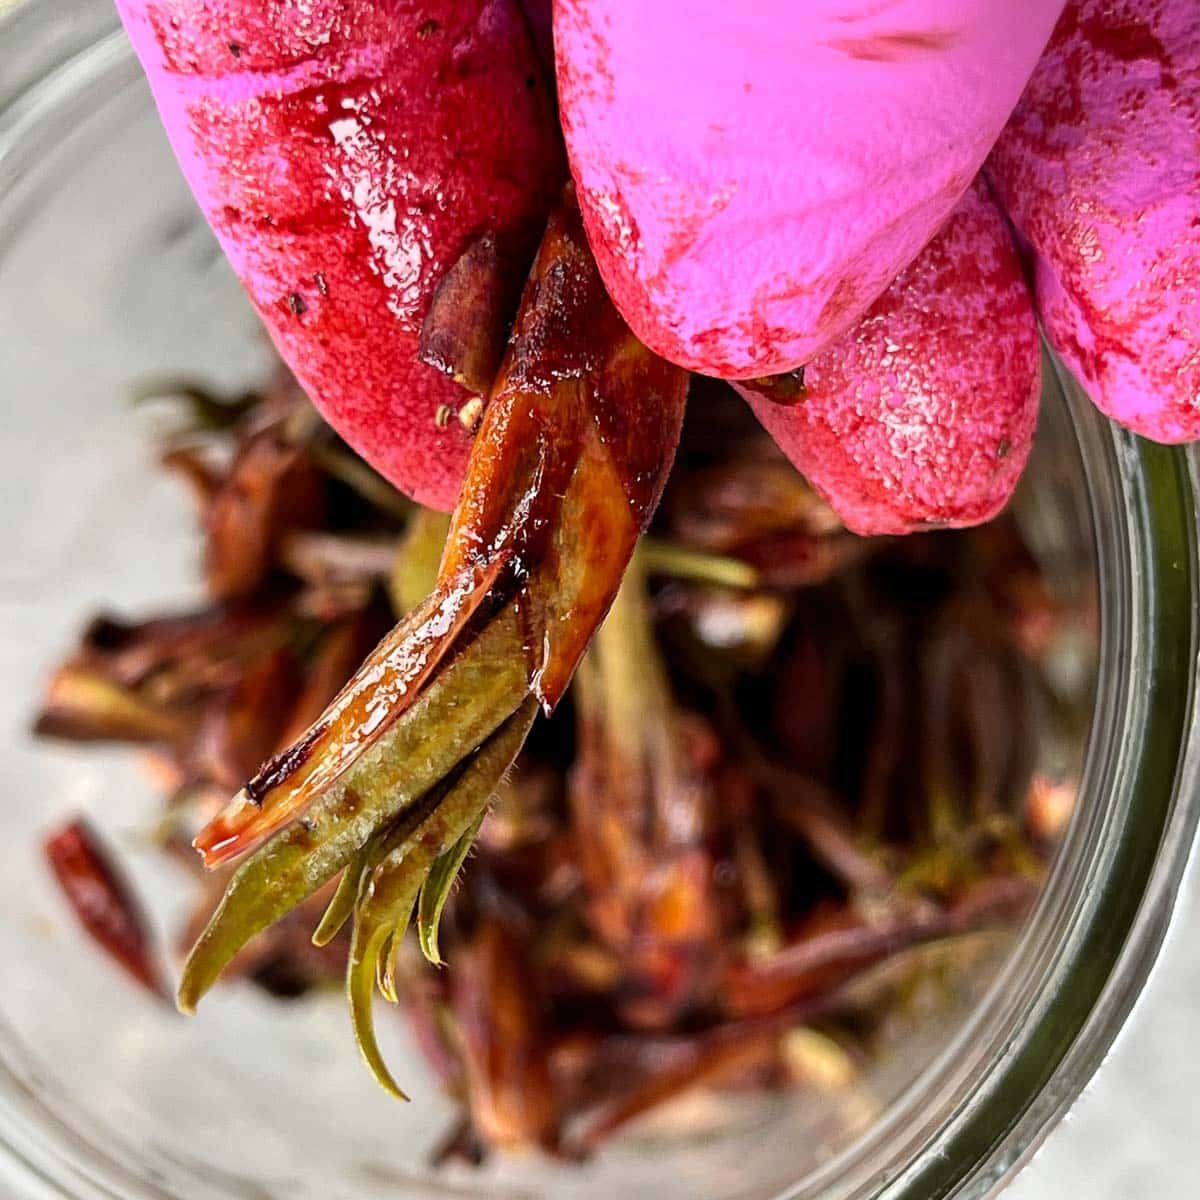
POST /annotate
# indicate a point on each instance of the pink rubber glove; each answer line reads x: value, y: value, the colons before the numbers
x: 922, y: 415
x: 346, y: 152
x: 753, y: 175
x: 753, y: 178
x: 1100, y: 170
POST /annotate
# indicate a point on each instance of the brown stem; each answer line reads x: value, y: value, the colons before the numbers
x: 692, y: 1062
x: 821, y: 960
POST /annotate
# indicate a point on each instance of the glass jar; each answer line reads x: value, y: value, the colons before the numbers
x: 107, y: 274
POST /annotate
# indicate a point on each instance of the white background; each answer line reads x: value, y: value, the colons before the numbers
x: 1135, y: 1132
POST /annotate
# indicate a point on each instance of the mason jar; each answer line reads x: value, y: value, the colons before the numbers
x: 107, y: 274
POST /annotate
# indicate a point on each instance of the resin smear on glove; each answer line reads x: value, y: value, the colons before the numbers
x: 923, y: 415
x: 346, y: 156
x: 1100, y: 171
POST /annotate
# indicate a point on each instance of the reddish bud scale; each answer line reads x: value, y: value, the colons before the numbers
x: 103, y: 901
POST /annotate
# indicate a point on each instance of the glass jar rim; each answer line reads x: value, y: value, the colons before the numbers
x: 1050, y: 1017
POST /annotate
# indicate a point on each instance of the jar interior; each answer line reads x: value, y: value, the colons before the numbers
x: 111, y: 277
